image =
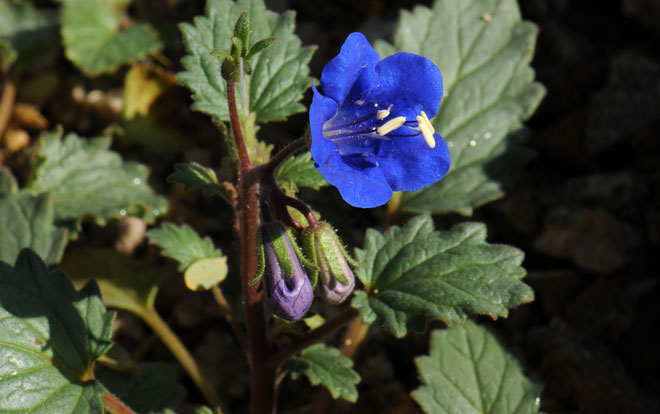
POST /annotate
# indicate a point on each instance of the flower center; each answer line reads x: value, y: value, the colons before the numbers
x: 362, y: 130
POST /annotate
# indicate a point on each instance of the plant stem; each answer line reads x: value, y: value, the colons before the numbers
x: 114, y: 405
x: 314, y: 336
x: 169, y: 338
x: 263, y: 375
x: 7, y: 102
x: 281, y: 156
x: 229, y: 317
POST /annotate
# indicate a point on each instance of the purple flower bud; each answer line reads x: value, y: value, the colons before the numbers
x: 323, y: 247
x: 288, y: 296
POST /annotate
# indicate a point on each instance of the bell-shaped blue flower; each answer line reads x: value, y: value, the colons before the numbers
x: 287, y: 290
x: 371, y: 133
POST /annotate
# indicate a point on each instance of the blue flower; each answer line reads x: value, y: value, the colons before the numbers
x: 370, y: 127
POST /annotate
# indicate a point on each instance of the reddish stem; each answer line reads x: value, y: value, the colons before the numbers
x: 114, y: 405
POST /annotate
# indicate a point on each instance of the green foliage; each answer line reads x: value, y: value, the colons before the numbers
x: 150, y: 391
x: 95, y: 39
x: 483, y: 50
x: 183, y: 244
x: 86, y: 179
x: 299, y: 171
x: 280, y: 72
x: 469, y: 371
x: 27, y: 31
x: 50, y: 336
x: 194, y: 175
x: 414, y: 274
x: 27, y: 220
x: 328, y: 367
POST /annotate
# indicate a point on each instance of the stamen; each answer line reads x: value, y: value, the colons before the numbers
x: 384, y: 113
x: 391, y: 125
x: 426, y: 118
x: 427, y: 129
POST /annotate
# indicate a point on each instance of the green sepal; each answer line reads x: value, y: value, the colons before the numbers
x: 236, y: 48
x: 221, y: 53
x: 242, y: 31
x: 261, y: 260
x: 260, y: 46
x: 309, y: 249
x: 330, y: 251
x: 306, y: 263
x: 276, y: 236
x: 247, y: 67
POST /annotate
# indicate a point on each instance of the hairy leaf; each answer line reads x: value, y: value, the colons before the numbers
x: 414, y: 274
x: 50, y: 336
x: 96, y: 40
x: 483, y: 50
x: 280, y: 73
x: 328, y: 367
x: 86, y: 179
x: 195, y: 175
x: 300, y: 171
x: 469, y: 371
x: 150, y: 391
x: 183, y: 244
x: 27, y: 220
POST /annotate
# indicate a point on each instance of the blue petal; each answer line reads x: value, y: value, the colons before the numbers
x: 342, y: 72
x: 322, y: 109
x: 411, y: 83
x: 413, y: 165
x: 360, y: 186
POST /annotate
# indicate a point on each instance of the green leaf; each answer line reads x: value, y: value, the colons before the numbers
x: 300, y: 171
x: 483, y: 50
x: 96, y: 40
x: 328, y: 367
x: 50, y: 336
x: 469, y: 371
x: 194, y: 175
x: 414, y: 274
x: 125, y: 282
x: 280, y: 73
x: 88, y: 180
x: 183, y: 244
x: 29, y: 31
x: 151, y: 391
x: 27, y: 220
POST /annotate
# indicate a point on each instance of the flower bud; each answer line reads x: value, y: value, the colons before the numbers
x: 323, y: 248
x: 287, y: 290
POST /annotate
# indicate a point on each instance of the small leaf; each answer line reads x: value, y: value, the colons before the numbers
x: 125, y: 282
x: 27, y: 220
x: 50, y: 336
x: 414, y: 274
x: 194, y: 175
x: 328, y: 367
x: 260, y: 46
x: 88, y: 180
x: 280, y: 73
x: 300, y: 171
x: 143, y: 84
x: 206, y: 273
x: 469, y: 371
x: 489, y: 88
x: 95, y: 39
x: 183, y: 244
x: 151, y: 391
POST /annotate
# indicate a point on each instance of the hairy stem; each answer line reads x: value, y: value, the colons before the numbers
x: 114, y: 405
x: 172, y: 341
x: 263, y: 376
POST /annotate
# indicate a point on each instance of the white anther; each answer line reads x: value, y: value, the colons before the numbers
x: 384, y: 113
x: 428, y: 122
x: 391, y: 125
x: 426, y: 128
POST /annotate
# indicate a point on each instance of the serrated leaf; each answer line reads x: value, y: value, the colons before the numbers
x: 468, y: 371
x: 194, y: 175
x: 299, y: 171
x: 86, y: 179
x: 96, y: 39
x: 183, y: 244
x: 414, y: 274
x: 328, y: 367
x: 279, y: 75
x: 125, y: 282
x: 151, y: 391
x: 483, y: 50
x: 29, y: 31
x: 27, y: 220
x: 50, y: 336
